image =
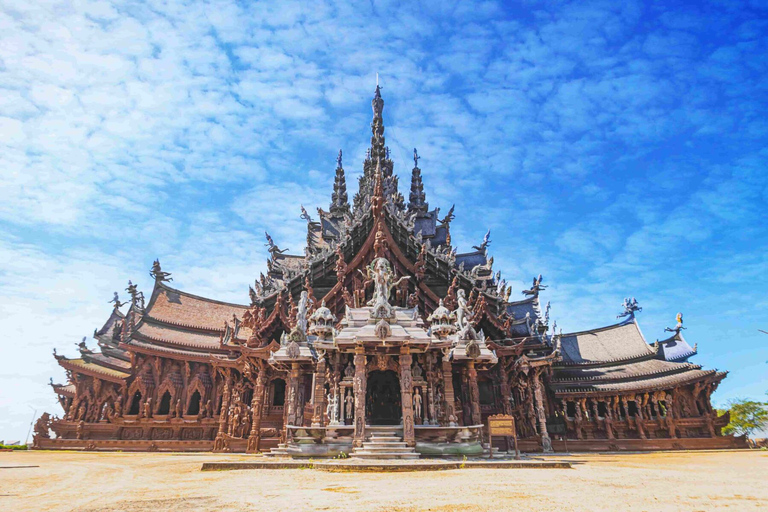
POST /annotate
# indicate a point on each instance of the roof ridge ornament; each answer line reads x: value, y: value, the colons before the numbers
x: 272, y: 246
x: 116, y: 301
x: 536, y: 287
x: 157, y: 273
x: 631, y: 307
x: 677, y: 328
x: 486, y: 242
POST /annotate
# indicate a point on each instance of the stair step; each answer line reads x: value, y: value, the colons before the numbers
x: 385, y: 439
x: 385, y: 455
x: 370, y: 444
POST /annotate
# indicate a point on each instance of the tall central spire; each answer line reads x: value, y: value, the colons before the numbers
x: 378, y: 154
x: 378, y: 149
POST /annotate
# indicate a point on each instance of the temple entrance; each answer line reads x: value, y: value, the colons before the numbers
x: 382, y: 399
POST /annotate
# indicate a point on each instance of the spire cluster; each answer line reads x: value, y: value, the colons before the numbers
x: 417, y: 200
x: 339, y: 199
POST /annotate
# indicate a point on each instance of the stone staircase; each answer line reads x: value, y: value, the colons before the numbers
x: 385, y: 443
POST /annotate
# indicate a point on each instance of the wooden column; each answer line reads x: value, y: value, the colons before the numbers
x: 318, y: 398
x: 406, y: 397
x: 293, y: 395
x: 359, y: 388
x: 220, y: 443
x: 257, y: 407
x: 474, y: 393
x: 546, y: 442
x: 448, y: 397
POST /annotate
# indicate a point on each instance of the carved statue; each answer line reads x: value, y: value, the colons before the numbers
x: 158, y: 274
x: 536, y: 287
x: 137, y: 297
x: 677, y: 328
x: 417, y: 404
x: 349, y: 408
x: 178, y: 412
x: 380, y: 272
x: 486, y: 242
x: 272, y: 247
x: 462, y: 313
x: 630, y: 306
x: 302, y: 310
x: 42, y: 426
x: 305, y: 215
x: 116, y: 301
x: 148, y: 408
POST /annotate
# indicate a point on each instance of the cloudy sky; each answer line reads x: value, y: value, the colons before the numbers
x: 618, y: 148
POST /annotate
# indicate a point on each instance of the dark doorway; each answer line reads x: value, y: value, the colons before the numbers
x: 135, y: 403
x: 382, y: 399
x: 194, y: 404
x: 165, y: 404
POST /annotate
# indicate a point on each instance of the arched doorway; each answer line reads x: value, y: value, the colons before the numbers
x: 382, y: 399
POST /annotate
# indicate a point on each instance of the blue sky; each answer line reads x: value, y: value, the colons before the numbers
x: 618, y: 148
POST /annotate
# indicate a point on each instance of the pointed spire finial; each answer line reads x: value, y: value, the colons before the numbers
x: 339, y: 198
x: 417, y: 200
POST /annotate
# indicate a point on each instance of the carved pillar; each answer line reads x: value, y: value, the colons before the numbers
x: 474, y: 394
x: 546, y: 442
x: 292, y: 391
x: 221, y: 443
x: 257, y: 406
x: 318, y: 398
x: 506, y: 392
x: 359, y: 386
x: 579, y: 418
x: 406, y: 397
x: 448, y: 397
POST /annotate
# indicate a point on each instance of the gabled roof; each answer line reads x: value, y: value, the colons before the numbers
x: 178, y: 308
x: 619, y: 342
x: 93, y: 369
x: 675, y: 348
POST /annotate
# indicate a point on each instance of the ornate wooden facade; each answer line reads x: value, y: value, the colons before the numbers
x: 321, y: 346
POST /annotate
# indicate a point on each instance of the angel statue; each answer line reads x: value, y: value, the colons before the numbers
x: 679, y: 327
x: 305, y: 214
x: 630, y: 306
x: 536, y: 287
x: 486, y: 242
x: 116, y: 301
x: 272, y: 247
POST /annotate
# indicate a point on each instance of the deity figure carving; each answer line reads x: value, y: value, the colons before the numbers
x: 158, y: 274
x: 349, y: 408
x: 302, y: 311
x: 677, y: 328
x: 631, y: 307
x: 380, y: 272
x: 462, y: 313
x: 417, y: 403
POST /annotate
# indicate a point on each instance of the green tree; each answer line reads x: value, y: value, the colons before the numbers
x: 747, y: 416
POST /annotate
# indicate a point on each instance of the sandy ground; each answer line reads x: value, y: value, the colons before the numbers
x: 702, y: 481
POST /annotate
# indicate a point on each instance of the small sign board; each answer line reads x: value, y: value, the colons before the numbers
x: 502, y: 425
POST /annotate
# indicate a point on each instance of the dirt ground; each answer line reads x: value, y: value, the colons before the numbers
x: 687, y: 481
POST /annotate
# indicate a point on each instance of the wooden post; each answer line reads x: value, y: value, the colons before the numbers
x: 257, y: 406
x: 359, y: 386
x: 449, y: 396
x: 318, y: 396
x: 406, y: 397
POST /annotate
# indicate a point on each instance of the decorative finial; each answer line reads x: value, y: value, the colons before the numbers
x: 338, y: 160
x: 416, y: 158
x: 272, y: 247
x: 157, y: 273
x: 116, y: 301
x: 486, y: 242
x: 305, y: 215
x: 677, y: 328
x: 631, y: 307
x: 536, y: 287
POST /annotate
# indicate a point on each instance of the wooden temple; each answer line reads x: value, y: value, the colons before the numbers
x: 381, y: 340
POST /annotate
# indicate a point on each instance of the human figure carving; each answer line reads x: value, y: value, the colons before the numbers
x: 349, y: 402
x: 178, y: 411
x: 462, y: 312
x: 417, y: 402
